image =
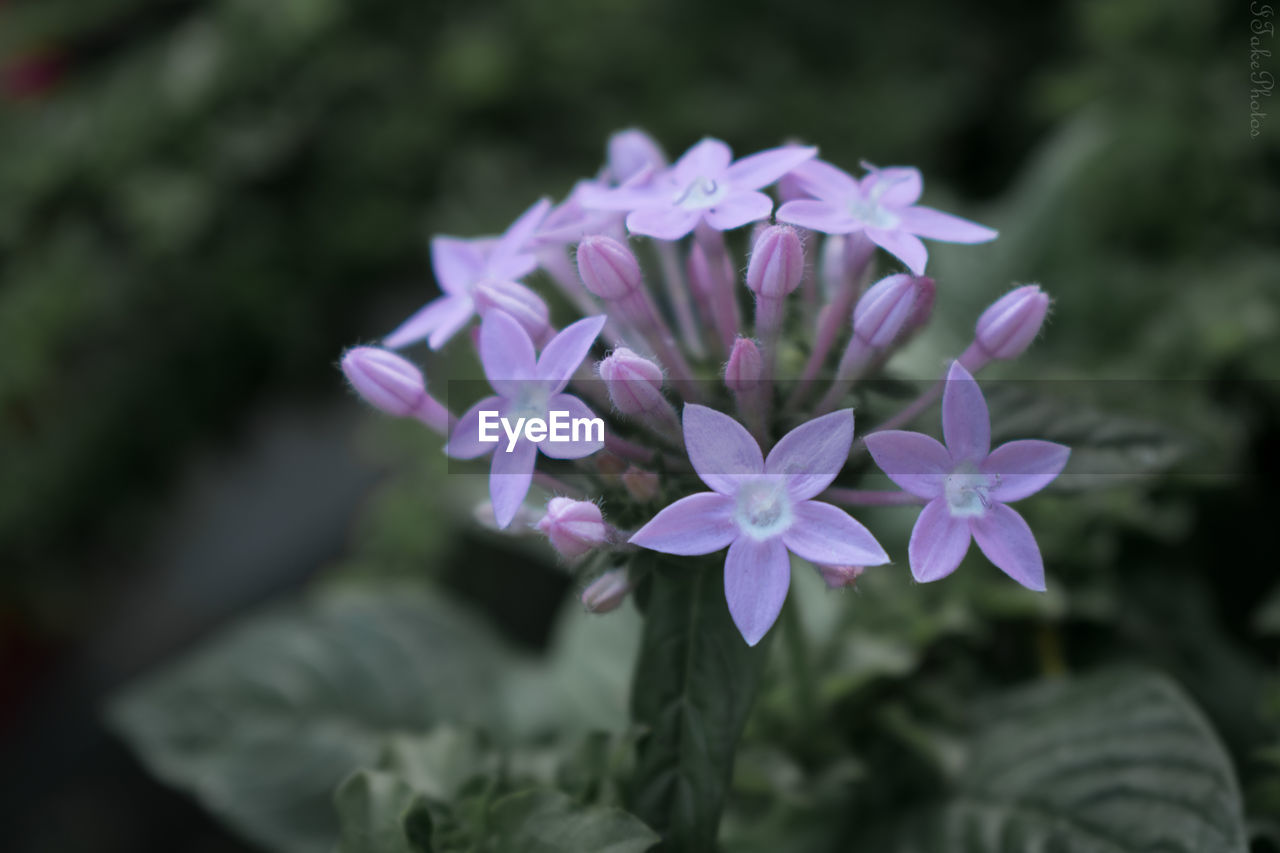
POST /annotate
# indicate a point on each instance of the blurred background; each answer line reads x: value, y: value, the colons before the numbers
x: 203, y: 203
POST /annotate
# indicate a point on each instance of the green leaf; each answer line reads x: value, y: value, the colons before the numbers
x: 583, y: 683
x: 263, y: 723
x: 543, y: 821
x: 695, y: 681
x: 372, y: 806
x: 1119, y: 762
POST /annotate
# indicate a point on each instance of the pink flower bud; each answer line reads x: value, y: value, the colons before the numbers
x: 883, y: 311
x: 777, y: 262
x: 837, y: 577
x: 385, y: 380
x: 632, y: 151
x: 607, y: 592
x: 1006, y: 329
x: 513, y: 298
x: 641, y: 484
x: 745, y: 368
x: 574, y: 527
x: 922, y: 311
x: 634, y: 382
x: 608, y: 268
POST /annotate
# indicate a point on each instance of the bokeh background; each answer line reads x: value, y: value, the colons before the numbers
x: 203, y: 203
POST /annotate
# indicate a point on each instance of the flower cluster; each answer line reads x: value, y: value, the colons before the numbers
x: 685, y: 387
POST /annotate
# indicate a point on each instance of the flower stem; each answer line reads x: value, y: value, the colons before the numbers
x: 678, y: 295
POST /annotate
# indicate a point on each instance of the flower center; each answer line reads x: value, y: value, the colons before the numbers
x: 763, y: 509
x: 530, y: 402
x: 701, y: 192
x: 967, y: 491
x: 870, y: 212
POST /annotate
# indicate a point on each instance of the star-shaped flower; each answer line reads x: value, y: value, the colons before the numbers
x: 527, y: 387
x: 761, y: 509
x: 882, y: 205
x: 460, y: 265
x: 704, y: 185
x: 967, y: 486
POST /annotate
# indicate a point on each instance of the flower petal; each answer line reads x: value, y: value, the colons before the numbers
x: 506, y: 353
x: 699, y: 524
x: 663, y: 223
x: 456, y: 263
x: 761, y: 169
x: 822, y: 533
x: 1024, y: 467
x: 1006, y: 539
x: 571, y: 449
x: 440, y: 319
x: 822, y: 180
x: 518, y: 236
x: 916, y: 462
x: 464, y: 442
x: 511, y: 267
x: 936, y: 225
x: 720, y: 448
x: 966, y: 424
x: 564, y: 353
x: 738, y: 209
x: 938, y: 543
x: 756, y: 576
x: 903, y: 246
x: 818, y: 215
x: 706, y: 159
x: 509, y: 479
x: 894, y: 186
x: 812, y: 454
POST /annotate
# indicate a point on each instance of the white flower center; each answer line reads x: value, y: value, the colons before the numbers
x: 967, y: 491
x: 763, y: 508
x: 871, y: 213
x: 702, y: 192
x: 530, y: 402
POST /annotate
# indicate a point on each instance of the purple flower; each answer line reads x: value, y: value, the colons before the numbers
x: 967, y: 486
x: 761, y: 509
x: 704, y: 185
x: 883, y: 205
x: 527, y: 387
x: 460, y: 265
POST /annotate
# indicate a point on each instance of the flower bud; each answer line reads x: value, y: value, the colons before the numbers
x: 745, y: 368
x: 634, y: 382
x: 522, y: 304
x: 607, y: 592
x: 777, y: 262
x: 385, y: 380
x: 641, y: 484
x: 632, y: 151
x: 574, y: 527
x: 1006, y: 329
x: 837, y: 577
x: 608, y: 268
x: 883, y: 311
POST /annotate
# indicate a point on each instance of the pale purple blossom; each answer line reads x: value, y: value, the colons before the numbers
x: 527, y: 387
x: 882, y: 205
x: 761, y: 509
x: 459, y: 265
x: 704, y: 185
x: 968, y: 486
